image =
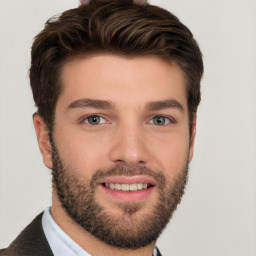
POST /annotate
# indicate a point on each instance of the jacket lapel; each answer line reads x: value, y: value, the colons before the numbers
x: 31, y: 241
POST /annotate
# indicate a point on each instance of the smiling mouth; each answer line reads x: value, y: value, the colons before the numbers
x: 127, y: 187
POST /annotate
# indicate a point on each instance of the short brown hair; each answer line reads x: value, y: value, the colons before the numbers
x: 113, y: 26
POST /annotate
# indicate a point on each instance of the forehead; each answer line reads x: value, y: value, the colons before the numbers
x: 122, y: 80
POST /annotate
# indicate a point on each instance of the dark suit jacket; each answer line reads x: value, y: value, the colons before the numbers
x: 31, y: 242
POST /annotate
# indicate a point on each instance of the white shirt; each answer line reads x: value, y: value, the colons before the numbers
x: 61, y: 244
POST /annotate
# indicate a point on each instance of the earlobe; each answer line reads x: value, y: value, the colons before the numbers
x: 192, y: 139
x: 43, y: 139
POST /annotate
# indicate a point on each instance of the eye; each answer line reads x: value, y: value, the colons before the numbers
x: 94, y: 120
x: 160, y: 120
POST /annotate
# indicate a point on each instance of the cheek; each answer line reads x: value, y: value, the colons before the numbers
x: 79, y: 151
x: 172, y: 153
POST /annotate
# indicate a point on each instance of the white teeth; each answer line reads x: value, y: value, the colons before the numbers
x: 118, y: 186
x: 133, y: 187
x: 140, y: 186
x: 127, y: 187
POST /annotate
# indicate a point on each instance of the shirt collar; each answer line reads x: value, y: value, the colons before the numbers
x: 61, y: 244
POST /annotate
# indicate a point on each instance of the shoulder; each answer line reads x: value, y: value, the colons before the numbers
x: 31, y: 241
x: 2, y: 252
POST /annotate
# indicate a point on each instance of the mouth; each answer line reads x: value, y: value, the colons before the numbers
x: 127, y: 188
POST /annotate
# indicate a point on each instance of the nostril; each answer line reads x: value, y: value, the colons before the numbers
x: 121, y: 162
x: 124, y: 163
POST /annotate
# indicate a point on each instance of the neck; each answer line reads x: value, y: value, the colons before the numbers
x: 88, y: 242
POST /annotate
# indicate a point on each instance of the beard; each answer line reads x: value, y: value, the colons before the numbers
x: 132, y: 228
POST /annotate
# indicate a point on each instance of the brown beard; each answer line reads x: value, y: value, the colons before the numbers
x: 129, y: 230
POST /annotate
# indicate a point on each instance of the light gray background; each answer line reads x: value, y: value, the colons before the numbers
x: 217, y: 216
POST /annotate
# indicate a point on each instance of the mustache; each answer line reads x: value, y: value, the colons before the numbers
x: 125, y: 170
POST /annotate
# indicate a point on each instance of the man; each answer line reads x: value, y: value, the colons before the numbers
x: 117, y: 86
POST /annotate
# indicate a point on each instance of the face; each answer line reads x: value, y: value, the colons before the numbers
x: 120, y: 146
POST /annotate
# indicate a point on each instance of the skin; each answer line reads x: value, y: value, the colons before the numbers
x: 126, y: 135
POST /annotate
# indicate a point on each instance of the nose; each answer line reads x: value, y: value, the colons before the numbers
x: 129, y: 146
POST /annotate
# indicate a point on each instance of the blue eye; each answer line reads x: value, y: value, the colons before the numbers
x: 94, y: 120
x: 160, y: 120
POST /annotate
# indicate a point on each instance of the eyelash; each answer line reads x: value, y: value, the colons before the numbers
x: 167, y: 120
x: 85, y: 119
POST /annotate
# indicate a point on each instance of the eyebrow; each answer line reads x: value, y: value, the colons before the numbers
x: 105, y: 104
x: 93, y: 103
x: 159, y: 105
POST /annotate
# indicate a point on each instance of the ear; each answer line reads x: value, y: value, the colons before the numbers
x: 192, y: 139
x: 43, y: 139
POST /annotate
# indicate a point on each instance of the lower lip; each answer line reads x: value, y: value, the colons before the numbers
x: 128, y: 195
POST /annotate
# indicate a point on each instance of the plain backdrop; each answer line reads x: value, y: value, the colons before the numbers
x: 217, y: 216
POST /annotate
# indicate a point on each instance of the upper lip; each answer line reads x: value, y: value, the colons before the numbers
x: 129, y: 180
